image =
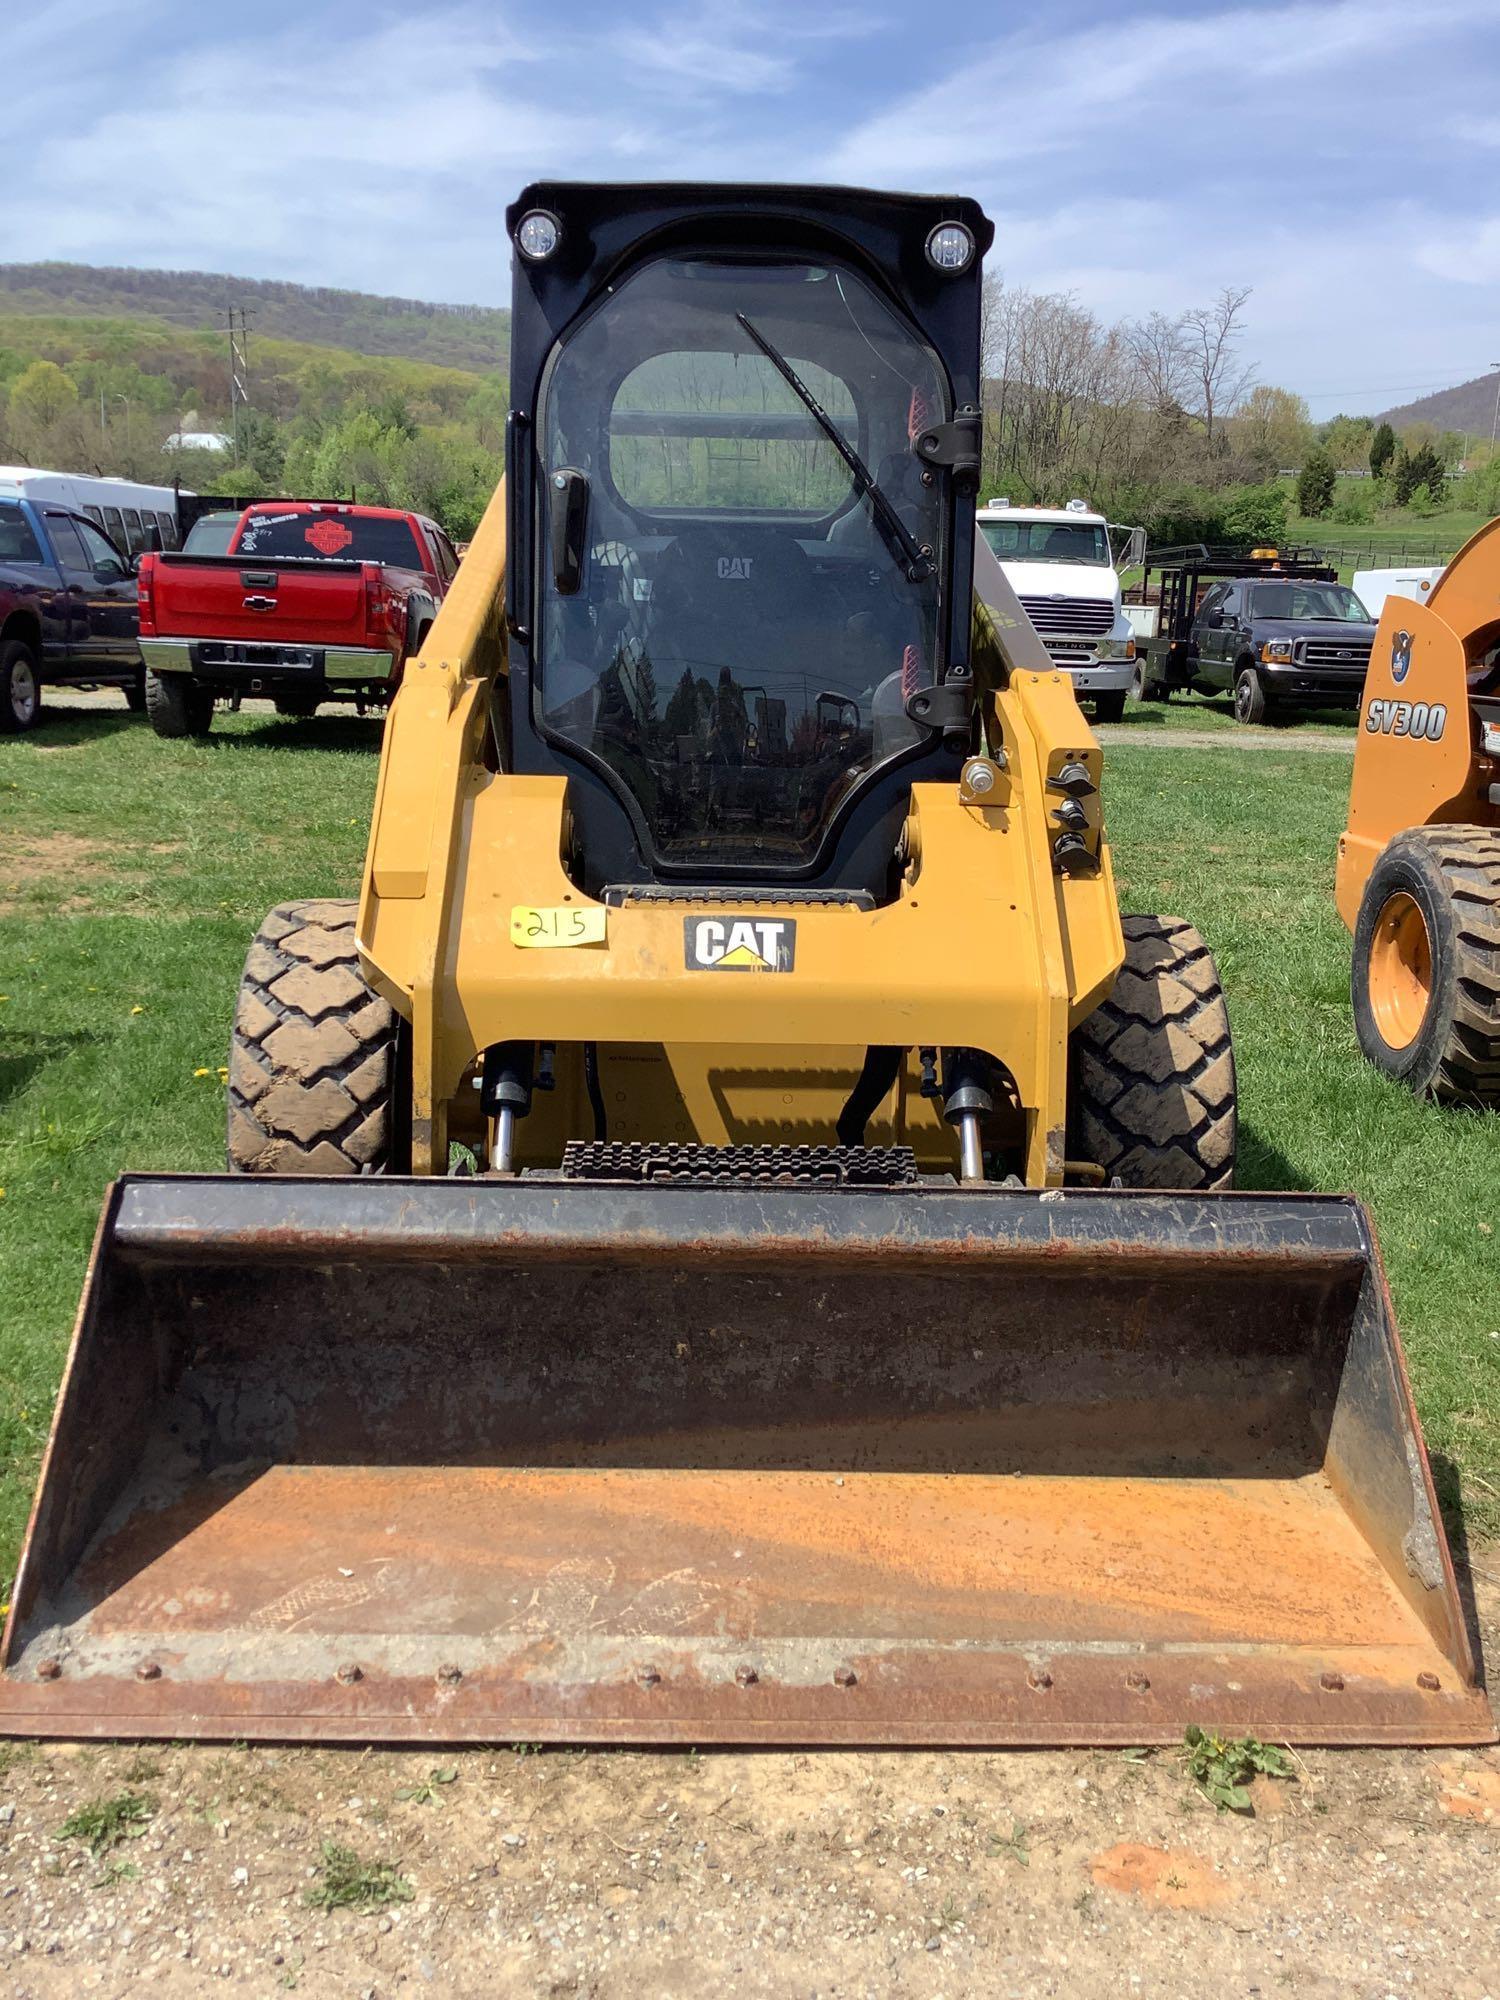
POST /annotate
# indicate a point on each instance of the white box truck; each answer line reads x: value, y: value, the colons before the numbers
x: 1062, y: 564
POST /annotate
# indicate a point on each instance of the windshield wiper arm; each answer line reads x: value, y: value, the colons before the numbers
x: 914, y: 558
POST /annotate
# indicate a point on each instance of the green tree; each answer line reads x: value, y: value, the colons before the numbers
x: 43, y: 394
x: 1315, y: 484
x: 1417, y: 468
x: 1347, y: 442
x: 1256, y: 513
x: 1382, y: 450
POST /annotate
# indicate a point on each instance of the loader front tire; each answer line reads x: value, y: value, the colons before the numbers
x: 1425, y: 979
x: 313, y: 1074
x: 1153, y: 1093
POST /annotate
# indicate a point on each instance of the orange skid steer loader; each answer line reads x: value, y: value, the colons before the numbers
x: 729, y: 1241
x: 1419, y: 863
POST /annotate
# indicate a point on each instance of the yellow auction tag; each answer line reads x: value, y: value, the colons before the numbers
x: 556, y: 928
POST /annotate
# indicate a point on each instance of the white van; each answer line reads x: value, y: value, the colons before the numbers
x: 124, y: 509
x: 1061, y: 564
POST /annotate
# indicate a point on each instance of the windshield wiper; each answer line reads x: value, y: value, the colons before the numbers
x: 914, y: 556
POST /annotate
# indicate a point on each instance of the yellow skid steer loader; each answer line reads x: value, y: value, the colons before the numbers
x: 728, y: 1242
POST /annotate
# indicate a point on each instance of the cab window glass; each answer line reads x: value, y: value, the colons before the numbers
x: 102, y: 556
x: 69, y: 550
x: 719, y: 431
x: 17, y: 542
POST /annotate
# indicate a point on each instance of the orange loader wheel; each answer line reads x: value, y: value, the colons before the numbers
x: 1400, y: 970
x: 1425, y: 980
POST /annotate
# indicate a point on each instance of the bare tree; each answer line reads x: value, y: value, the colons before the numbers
x: 1159, y: 351
x: 1211, y: 337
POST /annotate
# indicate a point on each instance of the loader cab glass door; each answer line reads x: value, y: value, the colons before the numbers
x: 729, y: 627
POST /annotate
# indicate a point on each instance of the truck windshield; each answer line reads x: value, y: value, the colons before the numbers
x: 1048, y: 541
x: 740, y: 642
x: 1307, y: 600
x: 331, y: 537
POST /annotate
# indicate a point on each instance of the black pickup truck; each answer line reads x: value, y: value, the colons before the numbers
x: 67, y: 609
x: 1278, y: 631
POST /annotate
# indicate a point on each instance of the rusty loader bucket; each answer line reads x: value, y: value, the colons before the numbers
x: 540, y: 1460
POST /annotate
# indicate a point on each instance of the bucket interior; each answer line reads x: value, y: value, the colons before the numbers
x: 706, y: 1491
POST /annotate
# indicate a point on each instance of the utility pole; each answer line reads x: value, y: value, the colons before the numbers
x: 1495, y: 419
x: 239, y: 371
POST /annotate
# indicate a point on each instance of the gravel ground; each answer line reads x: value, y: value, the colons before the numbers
x: 517, y: 1871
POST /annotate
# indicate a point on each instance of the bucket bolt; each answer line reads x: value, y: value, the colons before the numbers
x: 845, y: 1677
x: 48, y: 1670
x: 506, y: 1088
x: 968, y: 1099
x: 148, y: 1670
x: 1331, y: 1683
x: 648, y: 1676
x: 449, y: 1676
x: 348, y: 1673
x: 1039, y: 1679
x: 746, y: 1676
x: 1429, y: 1683
x: 1136, y: 1681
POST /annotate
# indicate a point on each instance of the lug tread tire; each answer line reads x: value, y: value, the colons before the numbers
x: 1153, y: 1098
x: 1453, y: 873
x: 312, y: 1070
x: 176, y: 707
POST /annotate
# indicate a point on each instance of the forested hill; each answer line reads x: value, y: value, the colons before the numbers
x: 475, y: 338
x: 1470, y: 407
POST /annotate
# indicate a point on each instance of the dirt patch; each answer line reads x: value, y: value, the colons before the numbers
x: 1171, y: 1878
x: 1242, y: 738
x: 57, y: 869
x: 43, y: 857
x: 1470, y: 1791
x: 39, y: 866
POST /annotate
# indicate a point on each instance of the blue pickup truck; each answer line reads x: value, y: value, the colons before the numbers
x: 67, y: 610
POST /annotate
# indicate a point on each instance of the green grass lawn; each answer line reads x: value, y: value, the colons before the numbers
x: 133, y: 871
x: 1383, y: 544
x: 1213, y: 715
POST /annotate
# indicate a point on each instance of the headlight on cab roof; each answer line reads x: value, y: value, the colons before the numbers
x: 1276, y: 649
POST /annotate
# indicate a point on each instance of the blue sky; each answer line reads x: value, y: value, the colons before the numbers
x: 1342, y: 157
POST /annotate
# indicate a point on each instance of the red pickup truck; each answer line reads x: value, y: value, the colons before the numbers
x: 315, y: 601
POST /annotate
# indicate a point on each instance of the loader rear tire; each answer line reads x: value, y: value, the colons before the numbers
x: 314, y: 1083
x: 1425, y: 978
x: 1153, y: 1093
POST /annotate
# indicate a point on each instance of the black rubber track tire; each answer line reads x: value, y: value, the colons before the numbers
x: 313, y: 1074
x: 1452, y: 873
x: 1110, y: 707
x: 17, y: 662
x: 1153, y: 1092
x: 1250, y: 703
x: 176, y: 707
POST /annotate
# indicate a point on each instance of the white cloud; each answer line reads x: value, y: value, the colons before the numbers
x: 1137, y: 157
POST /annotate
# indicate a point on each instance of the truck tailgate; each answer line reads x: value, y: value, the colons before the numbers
x: 235, y: 597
